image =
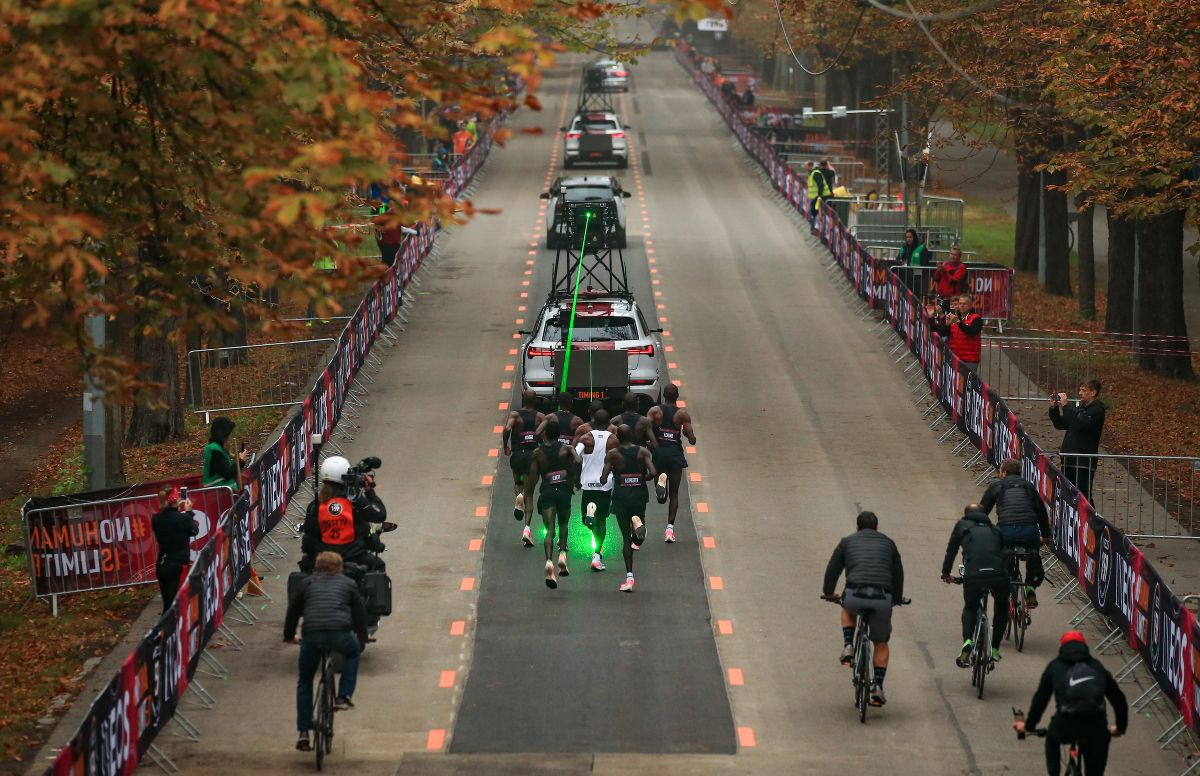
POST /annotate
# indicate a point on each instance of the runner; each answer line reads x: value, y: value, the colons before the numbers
x: 638, y: 423
x: 520, y: 440
x: 568, y: 422
x: 597, y: 497
x: 634, y: 468
x: 557, y: 466
x: 670, y: 423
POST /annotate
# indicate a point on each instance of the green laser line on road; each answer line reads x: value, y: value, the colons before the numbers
x: 587, y: 219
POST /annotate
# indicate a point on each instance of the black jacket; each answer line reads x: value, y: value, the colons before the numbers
x: 1054, y: 680
x: 174, y: 531
x: 1082, y: 424
x: 982, y: 547
x: 328, y: 602
x: 1017, y: 502
x: 870, y: 559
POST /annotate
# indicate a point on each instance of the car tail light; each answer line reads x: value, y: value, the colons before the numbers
x: 639, y: 381
x: 619, y: 73
x: 541, y: 383
x: 647, y: 350
x: 618, y: 134
x: 543, y: 352
x: 572, y: 136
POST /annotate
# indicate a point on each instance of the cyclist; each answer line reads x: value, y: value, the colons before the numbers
x: 1080, y: 684
x: 335, y: 618
x: 670, y: 424
x: 568, y: 422
x: 520, y: 440
x: 634, y: 468
x: 597, y: 496
x: 557, y: 467
x: 986, y: 562
x: 1021, y: 516
x: 874, y: 580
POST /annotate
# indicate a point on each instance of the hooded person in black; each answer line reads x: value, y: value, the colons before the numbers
x: 1080, y: 684
x: 986, y: 568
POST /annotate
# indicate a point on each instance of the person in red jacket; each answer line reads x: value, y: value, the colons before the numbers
x: 964, y: 329
x: 950, y: 278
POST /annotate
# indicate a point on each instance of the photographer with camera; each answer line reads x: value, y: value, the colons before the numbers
x: 1083, y: 423
x: 174, y: 526
x: 340, y: 517
x: 964, y: 330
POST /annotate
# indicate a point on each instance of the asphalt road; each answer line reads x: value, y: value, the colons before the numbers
x: 802, y: 420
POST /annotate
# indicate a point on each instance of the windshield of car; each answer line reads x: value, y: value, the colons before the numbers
x: 595, y: 125
x: 601, y: 328
x: 589, y: 194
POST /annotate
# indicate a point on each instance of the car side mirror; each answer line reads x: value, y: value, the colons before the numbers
x: 626, y: 194
x: 564, y: 129
x: 522, y: 331
x: 544, y: 195
x: 656, y: 331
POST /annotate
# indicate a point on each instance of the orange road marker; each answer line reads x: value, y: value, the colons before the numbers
x: 475, y: 545
x: 716, y: 583
x: 468, y: 584
x: 437, y: 740
x: 735, y: 677
x: 725, y: 627
x: 459, y: 627
x: 446, y: 680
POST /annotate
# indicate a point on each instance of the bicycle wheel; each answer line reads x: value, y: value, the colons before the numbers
x: 1018, y: 619
x: 329, y: 701
x: 981, y: 653
x: 319, y: 713
x: 863, y: 678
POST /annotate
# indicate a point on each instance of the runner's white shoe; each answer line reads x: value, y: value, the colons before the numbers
x: 597, y: 562
x: 563, y: 571
x: 639, y: 531
x: 527, y: 537
x: 551, y: 581
x: 660, y: 488
x: 589, y: 515
x: 669, y: 535
x: 628, y: 585
x: 519, y: 507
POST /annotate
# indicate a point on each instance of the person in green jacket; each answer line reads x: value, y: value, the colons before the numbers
x: 914, y: 253
x: 219, y: 466
x: 328, y: 265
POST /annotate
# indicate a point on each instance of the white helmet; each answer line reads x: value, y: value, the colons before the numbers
x: 334, y: 468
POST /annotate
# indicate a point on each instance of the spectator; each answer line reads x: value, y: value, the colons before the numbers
x: 913, y: 253
x: 728, y: 88
x: 748, y: 98
x: 950, y: 278
x: 219, y: 466
x: 830, y: 175
x: 964, y: 329
x: 441, y: 157
x: 1083, y: 425
x: 462, y: 140
x: 817, y: 190
x: 174, y: 526
x: 473, y: 129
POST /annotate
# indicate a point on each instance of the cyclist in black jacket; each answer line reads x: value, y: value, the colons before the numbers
x: 1022, y: 519
x: 1080, y: 684
x: 875, y: 580
x: 986, y: 568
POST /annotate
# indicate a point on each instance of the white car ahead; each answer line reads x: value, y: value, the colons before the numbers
x: 596, y: 137
x: 583, y: 188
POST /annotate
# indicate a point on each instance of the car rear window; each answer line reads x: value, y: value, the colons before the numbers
x: 596, y: 125
x: 593, y: 329
x: 589, y: 194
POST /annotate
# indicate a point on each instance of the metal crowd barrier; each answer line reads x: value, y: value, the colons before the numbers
x: 944, y: 213
x: 1031, y: 368
x: 1148, y: 496
x: 230, y: 379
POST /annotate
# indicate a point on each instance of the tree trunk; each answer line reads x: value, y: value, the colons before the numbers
x: 1058, y: 246
x: 1028, y: 220
x: 157, y: 410
x: 1121, y: 241
x: 1160, y: 298
x: 1086, y: 244
x: 114, y: 444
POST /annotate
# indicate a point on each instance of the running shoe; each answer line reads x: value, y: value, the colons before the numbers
x: 589, y: 516
x: 341, y: 703
x: 527, y: 537
x: 964, y: 657
x: 597, y: 562
x: 1030, y: 599
x: 996, y: 655
x: 302, y: 743
x: 551, y: 580
x: 669, y: 535
x: 877, y: 696
x: 847, y: 655
x: 519, y: 508
x: 639, y: 531
x: 563, y: 571
x: 660, y: 488
x: 628, y: 585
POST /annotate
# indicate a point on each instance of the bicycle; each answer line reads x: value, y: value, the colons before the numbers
x: 862, y: 667
x: 1019, y: 618
x: 1074, y: 764
x: 981, y: 658
x: 323, y: 709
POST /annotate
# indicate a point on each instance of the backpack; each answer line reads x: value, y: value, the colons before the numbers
x: 1083, y: 691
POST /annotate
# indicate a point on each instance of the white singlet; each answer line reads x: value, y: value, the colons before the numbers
x: 593, y: 462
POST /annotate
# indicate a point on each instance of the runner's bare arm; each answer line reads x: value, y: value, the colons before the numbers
x: 612, y: 463
x: 646, y: 432
x: 648, y: 462
x: 514, y: 420
x: 684, y: 419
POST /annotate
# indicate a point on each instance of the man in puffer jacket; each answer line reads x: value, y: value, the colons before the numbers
x: 985, y: 567
x: 1022, y: 518
x: 1080, y: 685
x: 334, y: 618
x: 874, y: 580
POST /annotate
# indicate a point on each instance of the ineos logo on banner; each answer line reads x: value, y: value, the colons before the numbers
x: 1156, y: 626
x: 1104, y: 580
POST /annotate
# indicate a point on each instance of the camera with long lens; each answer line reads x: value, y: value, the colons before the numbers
x: 355, y: 478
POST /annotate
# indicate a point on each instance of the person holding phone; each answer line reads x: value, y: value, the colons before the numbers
x: 174, y: 526
x: 220, y: 468
x: 1084, y: 423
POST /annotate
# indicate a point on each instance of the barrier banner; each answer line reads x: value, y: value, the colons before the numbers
x: 990, y: 286
x: 1117, y: 578
x: 102, y: 544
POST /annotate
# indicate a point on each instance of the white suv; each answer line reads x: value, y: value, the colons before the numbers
x: 583, y: 188
x: 603, y: 321
x: 596, y: 137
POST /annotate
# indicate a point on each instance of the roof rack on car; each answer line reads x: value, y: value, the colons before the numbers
x: 588, y: 259
x: 592, y: 96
